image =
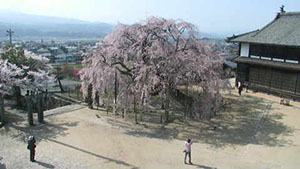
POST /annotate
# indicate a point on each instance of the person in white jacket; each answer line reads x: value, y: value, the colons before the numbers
x: 187, y: 150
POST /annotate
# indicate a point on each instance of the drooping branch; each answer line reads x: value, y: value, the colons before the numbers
x: 154, y: 53
x: 128, y: 70
x: 124, y: 72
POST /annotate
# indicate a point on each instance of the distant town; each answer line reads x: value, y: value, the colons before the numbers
x: 58, y: 52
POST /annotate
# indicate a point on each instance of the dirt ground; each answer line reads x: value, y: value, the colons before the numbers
x: 254, y: 131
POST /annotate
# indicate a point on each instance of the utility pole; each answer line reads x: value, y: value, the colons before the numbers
x: 9, y: 33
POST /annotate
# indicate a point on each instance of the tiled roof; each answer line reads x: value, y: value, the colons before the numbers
x: 283, y: 30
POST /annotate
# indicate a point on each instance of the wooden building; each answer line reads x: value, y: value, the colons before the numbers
x: 269, y: 58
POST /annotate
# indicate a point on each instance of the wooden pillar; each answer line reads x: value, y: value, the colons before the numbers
x: 271, y: 78
x: 284, y: 53
x: 297, y: 81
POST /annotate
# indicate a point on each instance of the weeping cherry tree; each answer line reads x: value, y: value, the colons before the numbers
x: 156, y: 55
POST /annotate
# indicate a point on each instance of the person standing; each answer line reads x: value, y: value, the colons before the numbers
x: 187, y: 150
x: 31, y: 147
x: 2, y: 165
x: 241, y: 89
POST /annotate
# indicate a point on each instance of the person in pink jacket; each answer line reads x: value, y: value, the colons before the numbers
x: 187, y: 150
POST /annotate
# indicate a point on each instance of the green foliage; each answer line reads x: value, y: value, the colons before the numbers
x: 17, y: 56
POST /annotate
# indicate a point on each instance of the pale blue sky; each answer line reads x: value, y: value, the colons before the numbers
x: 212, y: 16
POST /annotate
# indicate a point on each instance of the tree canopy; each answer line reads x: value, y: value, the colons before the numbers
x: 155, y: 55
x: 26, y: 68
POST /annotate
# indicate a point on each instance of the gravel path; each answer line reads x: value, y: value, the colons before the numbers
x: 77, y: 137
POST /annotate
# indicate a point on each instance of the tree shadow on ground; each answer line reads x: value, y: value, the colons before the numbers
x: 119, y: 162
x: 238, y: 122
x: 18, y: 128
x: 234, y: 126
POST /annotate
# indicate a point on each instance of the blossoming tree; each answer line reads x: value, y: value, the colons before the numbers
x: 156, y: 55
x: 8, y: 77
x: 22, y: 69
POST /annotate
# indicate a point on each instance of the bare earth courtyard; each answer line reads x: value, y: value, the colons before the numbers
x: 77, y: 137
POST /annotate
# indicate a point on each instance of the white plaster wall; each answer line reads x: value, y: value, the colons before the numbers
x: 245, y: 49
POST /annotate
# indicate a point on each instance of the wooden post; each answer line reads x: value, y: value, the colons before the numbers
x: 69, y: 91
x: 297, y: 79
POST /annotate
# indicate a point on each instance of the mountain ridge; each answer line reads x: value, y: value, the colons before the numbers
x: 29, y: 26
x: 35, y: 27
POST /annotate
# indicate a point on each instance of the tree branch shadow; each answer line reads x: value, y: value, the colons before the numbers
x: 18, y: 129
x: 119, y: 162
x: 234, y: 126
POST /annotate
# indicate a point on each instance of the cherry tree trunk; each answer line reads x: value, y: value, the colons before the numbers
x: 2, y: 112
x: 60, y: 86
x: 115, y: 93
x: 134, y: 108
x: 167, y: 104
x: 89, y: 96
x: 107, y: 105
x: 40, y: 107
x: 97, y: 99
x: 186, y: 101
x: 29, y: 100
x: 17, y: 91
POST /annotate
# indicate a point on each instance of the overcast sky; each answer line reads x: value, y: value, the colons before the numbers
x: 211, y: 16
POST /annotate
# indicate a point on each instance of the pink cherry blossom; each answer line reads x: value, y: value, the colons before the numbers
x: 156, y: 53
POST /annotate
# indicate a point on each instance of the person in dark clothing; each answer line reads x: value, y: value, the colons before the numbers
x: 31, y: 147
x: 241, y: 89
x: 2, y: 165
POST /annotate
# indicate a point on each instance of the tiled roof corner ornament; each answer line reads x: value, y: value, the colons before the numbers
x: 282, y: 9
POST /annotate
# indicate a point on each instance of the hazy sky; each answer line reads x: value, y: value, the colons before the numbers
x: 231, y: 16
